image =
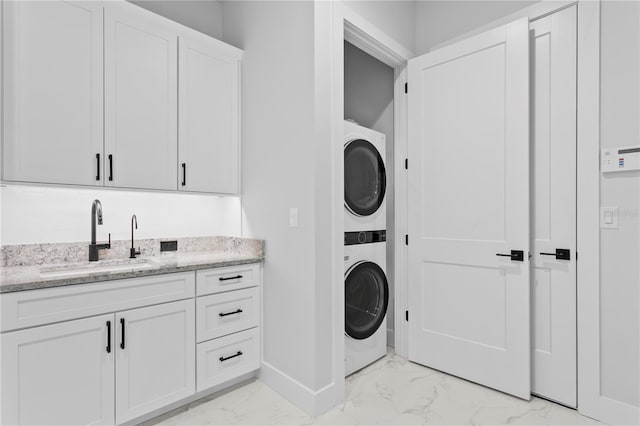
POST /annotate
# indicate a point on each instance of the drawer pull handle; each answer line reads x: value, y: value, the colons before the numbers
x: 223, y: 359
x: 224, y: 314
x: 230, y: 278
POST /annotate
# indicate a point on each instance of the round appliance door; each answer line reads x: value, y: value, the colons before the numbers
x: 366, y: 296
x: 365, y: 180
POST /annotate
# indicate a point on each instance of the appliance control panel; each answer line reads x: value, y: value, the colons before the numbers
x: 620, y: 159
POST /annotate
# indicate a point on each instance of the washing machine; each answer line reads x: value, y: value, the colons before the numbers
x: 366, y: 294
x: 365, y: 179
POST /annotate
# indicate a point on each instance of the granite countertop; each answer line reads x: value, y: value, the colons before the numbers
x: 32, y: 271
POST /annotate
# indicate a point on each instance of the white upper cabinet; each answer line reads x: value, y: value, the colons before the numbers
x: 141, y: 79
x: 208, y: 115
x: 52, y: 100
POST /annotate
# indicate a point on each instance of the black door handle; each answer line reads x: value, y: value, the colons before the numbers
x: 222, y: 358
x: 110, y: 167
x: 98, y: 166
x: 184, y: 174
x: 224, y: 314
x: 230, y: 278
x: 108, y: 337
x: 517, y: 255
x: 560, y: 254
x: 122, y: 327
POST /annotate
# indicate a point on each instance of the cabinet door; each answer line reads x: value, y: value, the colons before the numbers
x: 140, y: 99
x: 155, y: 361
x: 208, y: 115
x: 52, y: 103
x: 59, y: 374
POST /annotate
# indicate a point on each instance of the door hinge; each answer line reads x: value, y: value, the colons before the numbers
x: 406, y: 88
x: 406, y: 316
x: 406, y: 164
x: 406, y: 239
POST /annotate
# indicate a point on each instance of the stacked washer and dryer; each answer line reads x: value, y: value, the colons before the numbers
x: 365, y: 221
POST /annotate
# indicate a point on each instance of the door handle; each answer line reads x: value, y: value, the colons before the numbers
x: 122, y: 327
x: 184, y: 174
x: 517, y: 255
x: 98, y: 166
x: 110, y: 167
x: 560, y: 254
x: 108, y: 337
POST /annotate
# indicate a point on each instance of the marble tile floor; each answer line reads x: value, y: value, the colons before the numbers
x: 392, y: 391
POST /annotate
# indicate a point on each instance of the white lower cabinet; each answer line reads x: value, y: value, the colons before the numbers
x: 155, y: 356
x: 228, y: 357
x: 135, y: 356
x: 59, y: 374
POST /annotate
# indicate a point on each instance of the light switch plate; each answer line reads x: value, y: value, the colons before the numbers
x: 608, y: 217
x: 293, y: 217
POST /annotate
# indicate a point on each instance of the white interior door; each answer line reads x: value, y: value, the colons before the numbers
x: 553, y: 177
x: 468, y: 205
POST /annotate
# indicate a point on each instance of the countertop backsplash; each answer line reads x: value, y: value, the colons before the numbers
x: 61, y: 253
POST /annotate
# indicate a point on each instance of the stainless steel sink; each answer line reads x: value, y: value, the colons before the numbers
x: 105, y: 266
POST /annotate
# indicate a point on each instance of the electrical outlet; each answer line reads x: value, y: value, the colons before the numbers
x: 169, y: 245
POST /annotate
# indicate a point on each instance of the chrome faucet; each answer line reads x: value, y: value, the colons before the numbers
x: 133, y: 251
x: 96, y: 212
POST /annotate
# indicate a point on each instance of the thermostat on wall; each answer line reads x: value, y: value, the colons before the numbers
x: 620, y: 159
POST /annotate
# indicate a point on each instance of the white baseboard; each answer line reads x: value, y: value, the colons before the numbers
x: 312, y: 402
x: 618, y: 413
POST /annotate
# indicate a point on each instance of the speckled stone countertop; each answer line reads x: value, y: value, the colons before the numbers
x: 35, y: 266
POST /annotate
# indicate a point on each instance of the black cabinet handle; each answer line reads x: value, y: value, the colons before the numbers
x: 222, y: 359
x: 224, y: 314
x: 122, y: 327
x: 110, y: 167
x: 230, y: 278
x: 108, y: 337
x: 98, y: 167
x: 184, y: 174
x: 517, y: 255
x: 560, y: 254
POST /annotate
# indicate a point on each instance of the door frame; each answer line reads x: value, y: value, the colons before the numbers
x: 348, y: 25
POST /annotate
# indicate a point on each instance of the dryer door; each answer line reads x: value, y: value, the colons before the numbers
x: 366, y: 296
x: 365, y: 179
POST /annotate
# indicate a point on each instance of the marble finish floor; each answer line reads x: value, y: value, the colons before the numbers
x: 392, y: 391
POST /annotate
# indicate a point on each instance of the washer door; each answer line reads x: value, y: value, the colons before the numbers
x: 365, y: 178
x: 366, y: 296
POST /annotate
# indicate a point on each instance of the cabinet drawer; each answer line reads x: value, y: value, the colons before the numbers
x: 225, y: 313
x: 226, y: 358
x: 36, y: 307
x: 226, y: 279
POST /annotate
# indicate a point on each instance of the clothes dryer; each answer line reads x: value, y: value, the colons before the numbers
x: 365, y: 179
x: 366, y: 298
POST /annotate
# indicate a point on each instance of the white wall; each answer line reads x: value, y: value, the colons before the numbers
x: 438, y: 21
x: 278, y: 173
x: 393, y: 17
x: 45, y: 214
x: 368, y: 99
x: 620, y: 248
x: 201, y: 15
